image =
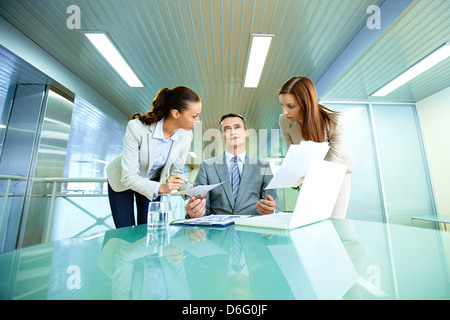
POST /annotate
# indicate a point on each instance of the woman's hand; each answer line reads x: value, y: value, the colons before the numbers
x: 173, y: 183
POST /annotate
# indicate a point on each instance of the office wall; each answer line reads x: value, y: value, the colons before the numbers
x: 94, y: 139
x: 390, y: 182
x: 434, y: 115
x: 402, y: 163
x: 17, y: 159
x: 366, y: 198
x: 49, y: 159
x: 44, y: 135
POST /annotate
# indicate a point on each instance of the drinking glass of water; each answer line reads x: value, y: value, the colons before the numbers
x: 159, y: 215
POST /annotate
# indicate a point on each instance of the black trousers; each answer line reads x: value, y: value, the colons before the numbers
x: 122, y: 207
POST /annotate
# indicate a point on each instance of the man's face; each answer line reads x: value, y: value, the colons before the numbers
x: 233, y: 132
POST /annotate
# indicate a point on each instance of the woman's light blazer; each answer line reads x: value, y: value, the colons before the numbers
x: 338, y: 152
x: 130, y: 169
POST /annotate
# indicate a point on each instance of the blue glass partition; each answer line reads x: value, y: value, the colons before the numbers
x: 402, y: 161
x: 391, y: 181
x: 366, y: 199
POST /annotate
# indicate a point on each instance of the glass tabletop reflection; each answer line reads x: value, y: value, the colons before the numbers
x: 332, y: 259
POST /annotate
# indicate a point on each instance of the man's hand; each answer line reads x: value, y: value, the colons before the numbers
x: 196, y: 206
x: 266, y: 206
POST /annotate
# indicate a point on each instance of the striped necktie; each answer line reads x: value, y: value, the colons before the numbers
x: 237, y: 254
x: 235, y: 177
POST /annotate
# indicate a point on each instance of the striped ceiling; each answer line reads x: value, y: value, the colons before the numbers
x: 423, y: 27
x: 204, y: 44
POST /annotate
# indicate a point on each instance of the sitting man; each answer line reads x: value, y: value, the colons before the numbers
x: 245, y: 177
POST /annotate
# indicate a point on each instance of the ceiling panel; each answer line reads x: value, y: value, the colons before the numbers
x: 423, y: 27
x: 203, y: 44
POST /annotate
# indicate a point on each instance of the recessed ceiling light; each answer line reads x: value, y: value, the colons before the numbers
x: 110, y: 53
x: 423, y: 65
x: 260, y: 45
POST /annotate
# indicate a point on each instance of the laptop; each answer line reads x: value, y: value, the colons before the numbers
x: 315, y: 201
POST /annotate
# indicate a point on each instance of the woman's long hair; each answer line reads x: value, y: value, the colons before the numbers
x: 315, y: 119
x: 176, y: 98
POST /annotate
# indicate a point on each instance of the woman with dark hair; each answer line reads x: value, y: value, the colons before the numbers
x: 303, y: 118
x: 155, y: 147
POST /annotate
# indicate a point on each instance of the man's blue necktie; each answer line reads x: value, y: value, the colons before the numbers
x: 235, y: 177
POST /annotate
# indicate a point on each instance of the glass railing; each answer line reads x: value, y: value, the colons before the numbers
x: 71, y: 206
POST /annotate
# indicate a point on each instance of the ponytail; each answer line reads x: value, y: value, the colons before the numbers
x: 166, y: 100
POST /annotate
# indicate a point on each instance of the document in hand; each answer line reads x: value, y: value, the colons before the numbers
x: 296, y: 163
x: 196, y: 191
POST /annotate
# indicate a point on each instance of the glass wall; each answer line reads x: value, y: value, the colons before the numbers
x: 403, y: 167
x: 366, y: 199
x: 391, y: 181
x: 95, y: 139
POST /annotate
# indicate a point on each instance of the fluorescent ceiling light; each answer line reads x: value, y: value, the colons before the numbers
x: 110, y: 53
x: 192, y: 154
x: 257, y: 58
x: 429, y: 61
x: 101, y: 161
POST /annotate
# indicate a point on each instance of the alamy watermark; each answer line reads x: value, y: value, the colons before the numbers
x: 74, y: 20
x: 374, y: 20
x: 74, y: 277
x: 260, y: 143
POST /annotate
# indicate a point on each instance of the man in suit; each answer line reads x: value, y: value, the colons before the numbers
x: 244, y: 177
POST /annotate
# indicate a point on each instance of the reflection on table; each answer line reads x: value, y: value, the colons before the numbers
x: 333, y: 259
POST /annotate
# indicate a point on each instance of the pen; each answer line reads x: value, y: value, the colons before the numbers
x: 168, y: 173
x: 187, y: 197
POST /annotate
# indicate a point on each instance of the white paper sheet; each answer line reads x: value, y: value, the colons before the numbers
x: 197, y: 191
x: 296, y: 163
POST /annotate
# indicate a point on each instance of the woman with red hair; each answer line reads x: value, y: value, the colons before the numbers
x: 303, y: 118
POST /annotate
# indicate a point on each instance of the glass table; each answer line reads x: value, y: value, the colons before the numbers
x: 333, y: 259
